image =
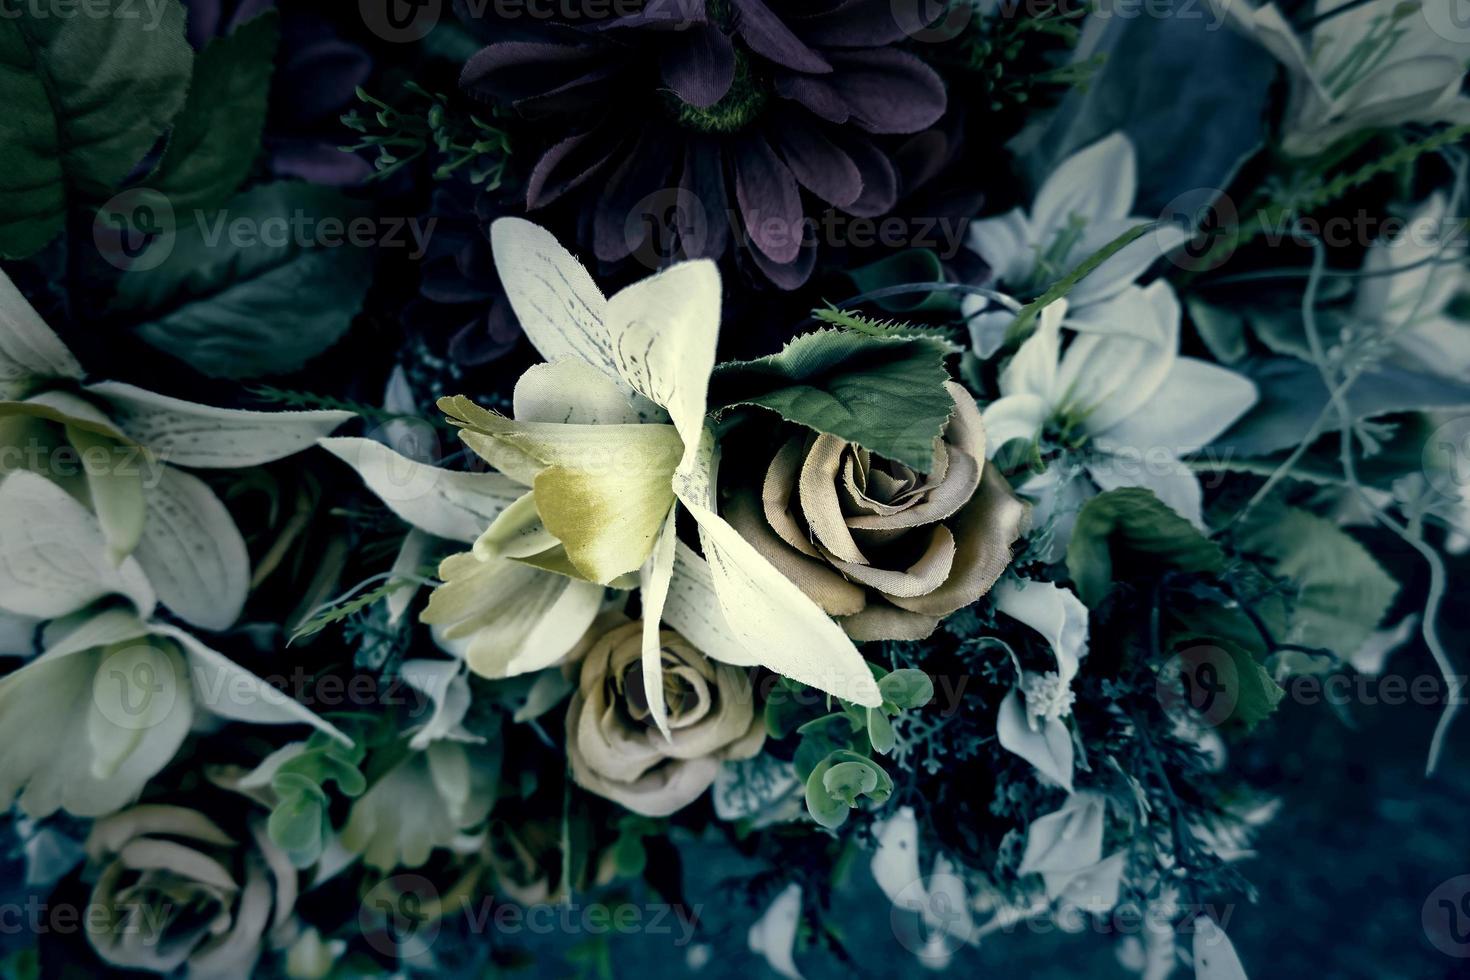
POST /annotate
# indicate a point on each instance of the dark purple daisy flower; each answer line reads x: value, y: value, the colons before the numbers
x: 461, y: 310
x: 316, y: 78
x: 695, y: 124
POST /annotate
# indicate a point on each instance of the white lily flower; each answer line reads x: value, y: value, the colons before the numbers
x: 1409, y: 283
x: 1081, y: 207
x: 128, y: 443
x: 1030, y: 720
x: 1122, y: 384
x: 87, y: 723
x: 609, y: 440
x: 1371, y: 66
x: 940, y: 898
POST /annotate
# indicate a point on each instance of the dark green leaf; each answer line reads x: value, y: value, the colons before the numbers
x: 885, y: 394
x: 217, y: 136
x: 1130, y: 533
x: 85, y: 98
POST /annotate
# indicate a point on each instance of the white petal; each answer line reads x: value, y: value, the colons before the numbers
x: 1006, y: 243
x: 1122, y: 267
x: 571, y: 391
x: 411, y: 555
x: 1109, y: 376
x: 224, y: 688
x: 1054, y: 612
x: 1214, y: 955
x: 1049, y: 749
x: 30, y: 351
x: 1033, y: 369
x: 1092, y: 889
x: 1196, y: 402
x: 558, y: 305
x: 1067, y: 839
x: 693, y: 609
x: 53, y: 556
x: 1014, y: 417
x: 895, y: 863
x: 1097, y: 183
x: 446, y: 686
x: 654, y: 579
x: 205, y: 437
x: 773, y: 935
x: 445, y: 503
x: 192, y: 552
x: 662, y: 331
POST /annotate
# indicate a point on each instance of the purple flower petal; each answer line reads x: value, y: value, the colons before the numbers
x: 880, y: 180
x: 818, y: 164
x: 538, y: 77
x: 316, y: 162
x: 568, y: 165
x: 817, y: 95
x: 784, y: 276
x: 855, y: 24
x: 703, y: 218
x: 699, y: 65
x: 770, y: 201
x: 887, y: 91
x: 769, y: 37
x: 636, y: 198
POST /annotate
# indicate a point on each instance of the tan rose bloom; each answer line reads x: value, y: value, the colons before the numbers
x: 615, y: 749
x: 183, y: 893
x: 888, y: 550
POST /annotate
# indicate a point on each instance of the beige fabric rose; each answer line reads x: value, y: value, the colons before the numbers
x: 180, y: 892
x: 615, y: 748
x: 888, y: 550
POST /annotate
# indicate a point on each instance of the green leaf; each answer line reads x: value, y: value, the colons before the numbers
x: 907, y: 687
x: 1222, y: 330
x: 1130, y: 533
x: 1059, y: 289
x: 880, y: 731
x: 886, y: 394
x: 1250, y: 693
x: 259, y: 288
x: 1341, y: 592
x: 86, y: 96
x: 839, y: 781
x: 217, y: 136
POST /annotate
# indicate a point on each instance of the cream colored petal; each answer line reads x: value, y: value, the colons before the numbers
x: 925, y: 575
x: 192, y: 552
x: 779, y: 496
x: 881, y: 621
x: 30, y: 351
x: 819, y: 503
x: 571, y: 391
x: 828, y: 589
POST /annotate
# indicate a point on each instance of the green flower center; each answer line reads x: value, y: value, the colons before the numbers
x: 745, y: 101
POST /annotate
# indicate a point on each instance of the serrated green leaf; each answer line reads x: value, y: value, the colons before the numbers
x: 1130, y: 533
x: 886, y: 394
x: 86, y: 96
x: 1341, y: 592
x: 217, y: 135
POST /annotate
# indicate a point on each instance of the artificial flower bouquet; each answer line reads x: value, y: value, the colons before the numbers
x: 698, y: 487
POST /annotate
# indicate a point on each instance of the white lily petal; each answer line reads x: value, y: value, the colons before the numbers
x: 693, y: 609
x: 558, y: 305
x: 1049, y: 748
x: 189, y: 434
x: 1191, y: 407
x: 895, y: 863
x: 1033, y: 369
x: 1006, y: 243
x: 30, y: 351
x: 411, y: 555
x: 115, y: 484
x: 1054, y: 612
x: 17, y: 634
x: 571, y: 391
x: 773, y: 935
x: 1014, y: 417
x: 53, y: 555
x: 228, y: 690
x: 1109, y: 376
x: 445, y: 503
x: 1097, y: 183
x: 653, y: 590
x: 447, y: 687
x: 1067, y: 839
x: 1093, y: 889
x: 192, y: 552
x: 1121, y: 268
x: 1214, y: 954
